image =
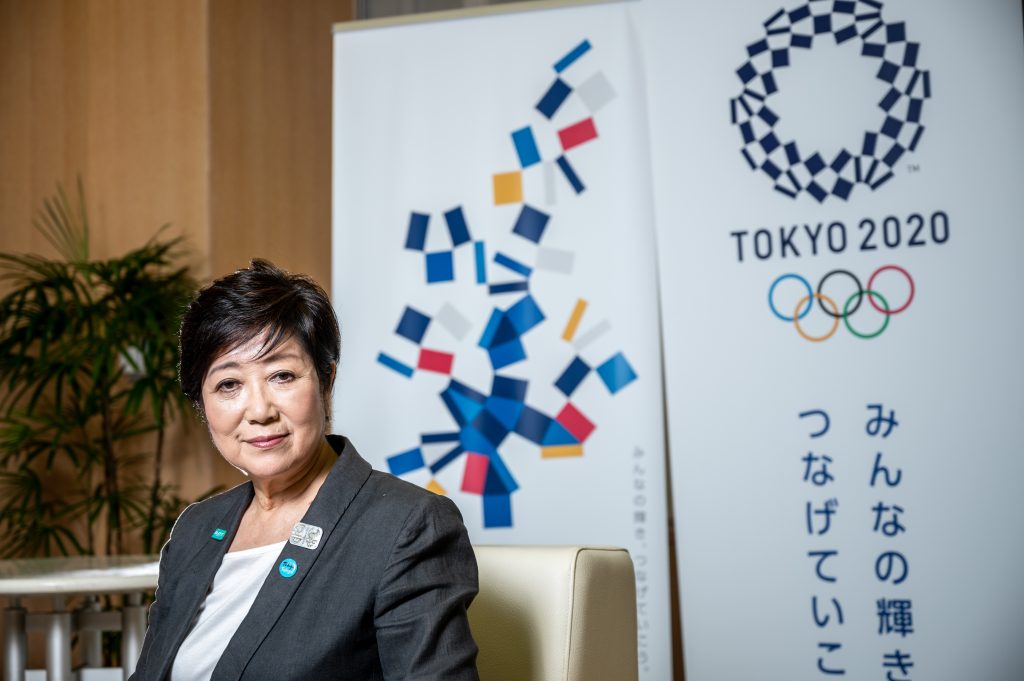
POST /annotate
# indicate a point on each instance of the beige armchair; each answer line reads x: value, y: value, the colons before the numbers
x: 555, y: 613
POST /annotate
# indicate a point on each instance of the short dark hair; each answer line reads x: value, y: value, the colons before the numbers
x: 240, y: 306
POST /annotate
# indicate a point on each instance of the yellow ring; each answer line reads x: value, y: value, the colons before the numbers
x: 835, y: 318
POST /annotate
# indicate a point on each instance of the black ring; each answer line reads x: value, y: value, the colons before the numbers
x: 860, y: 294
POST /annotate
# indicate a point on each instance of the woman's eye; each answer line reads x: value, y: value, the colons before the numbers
x: 284, y: 376
x: 227, y: 386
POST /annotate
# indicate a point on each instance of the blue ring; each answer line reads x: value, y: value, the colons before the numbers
x: 771, y: 293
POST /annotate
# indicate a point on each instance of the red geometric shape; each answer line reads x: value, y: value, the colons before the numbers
x: 475, y: 474
x: 577, y: 133
x: 432, y: 360
x: 575, y: 422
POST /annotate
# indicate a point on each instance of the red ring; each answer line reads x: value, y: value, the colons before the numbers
x: 910, y: 280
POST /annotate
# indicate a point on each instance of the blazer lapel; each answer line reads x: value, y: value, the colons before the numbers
x: 341, y: 486
x: 187, y: 595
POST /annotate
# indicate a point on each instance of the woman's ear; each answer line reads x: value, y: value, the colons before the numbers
x: 334, y: 372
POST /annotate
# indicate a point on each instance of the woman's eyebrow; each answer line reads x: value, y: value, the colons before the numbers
x: 272, y: 357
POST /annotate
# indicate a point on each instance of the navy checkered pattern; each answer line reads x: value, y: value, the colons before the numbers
x: 907, y: 86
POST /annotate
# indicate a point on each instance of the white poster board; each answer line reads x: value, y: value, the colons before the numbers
x: 494, y: 274
x: 799, y: 556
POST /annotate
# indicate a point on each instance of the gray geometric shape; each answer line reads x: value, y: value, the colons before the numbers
x: 596, y: 91
x: 453, y: 320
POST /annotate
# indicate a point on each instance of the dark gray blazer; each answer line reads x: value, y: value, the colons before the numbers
x: 383, y: 596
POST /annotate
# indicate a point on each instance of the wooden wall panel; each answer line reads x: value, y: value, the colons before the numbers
x: 270, y: 113
x: 114, y: 91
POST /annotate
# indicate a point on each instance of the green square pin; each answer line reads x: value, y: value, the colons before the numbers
x: 219, y: 534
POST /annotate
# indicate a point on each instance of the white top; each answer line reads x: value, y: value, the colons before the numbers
x: 234, y: 589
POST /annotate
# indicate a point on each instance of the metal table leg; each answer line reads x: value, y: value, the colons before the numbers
x: 90, y: 639
x: 133, y: 630
x: 58, y: 643
x: 14, y: 642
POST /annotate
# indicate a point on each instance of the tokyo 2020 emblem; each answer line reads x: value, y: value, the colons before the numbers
x: 905, y: 87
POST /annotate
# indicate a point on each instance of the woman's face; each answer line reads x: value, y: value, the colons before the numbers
x: 266, y: 414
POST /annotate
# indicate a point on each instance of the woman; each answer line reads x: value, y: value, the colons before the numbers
x: 318, y: 567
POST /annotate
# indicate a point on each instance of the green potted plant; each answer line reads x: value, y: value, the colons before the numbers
x: 88, y: 388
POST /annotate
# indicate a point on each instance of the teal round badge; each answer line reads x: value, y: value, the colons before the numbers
x: 287, y: 568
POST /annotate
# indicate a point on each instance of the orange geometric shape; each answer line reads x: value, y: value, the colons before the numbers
x: 436, y: 488
x: 508, y: 188
x: 561, y: 451
x: 574, y: 320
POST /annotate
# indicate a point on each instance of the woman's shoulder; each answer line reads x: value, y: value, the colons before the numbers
x: 197, y: 514
x: 404, y: 498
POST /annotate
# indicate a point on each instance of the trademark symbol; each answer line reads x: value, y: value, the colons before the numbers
x: 913, y: 168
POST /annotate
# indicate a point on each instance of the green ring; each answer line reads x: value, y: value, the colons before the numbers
x: 846, y: 316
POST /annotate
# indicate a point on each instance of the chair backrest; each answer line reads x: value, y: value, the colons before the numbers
x: 555, y: 613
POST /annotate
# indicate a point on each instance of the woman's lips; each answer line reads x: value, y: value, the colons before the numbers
x: 266, y: 441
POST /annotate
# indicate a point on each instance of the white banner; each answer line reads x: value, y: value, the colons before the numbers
x: 494, y: 273
x: 838, y: 199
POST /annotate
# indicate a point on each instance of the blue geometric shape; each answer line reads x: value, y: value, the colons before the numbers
x: 490, y: 427
x: 450, y: 456
x: 616, y: 373
x: 462, y: 409
x: 481, y: 262
x: 440, y: 267
x: 474, y: 441
x: 402, y: 463
x: 509, y: 388
x: 509, y: 287
x: 533, y: 425
x: 526, y: 147
x: 570, y: 174
x: 431, y: 438
x: 757, y: 48
x: 815, y: 164
x: 393, y: 364
x: 507, y: 411
x: 417, y: 235
x: 525, y: 314
x: 499, y: 478
x: 506, y: 331
x: 487, y: 337
x: 845, y: 34
x: 497, y: 510
x: 572, y: 376
x: 512, y: 264
x: 465, y: 390
x: 891, y: 127
x: 553, y: 98
x: 896, y: 33
x: 888, y: 72
x: 574, y: 54
x: 506, y: 353
x: 816, y: 190
x: 557, y: 435
x: 413, y: 325
x: 801, y: 41
x: 531, y: 223
x: 457, y: 226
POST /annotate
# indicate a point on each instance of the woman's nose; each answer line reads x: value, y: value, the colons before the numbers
x: 260, y: 407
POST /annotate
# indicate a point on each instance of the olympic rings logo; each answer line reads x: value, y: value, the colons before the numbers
x: 828, y: 305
